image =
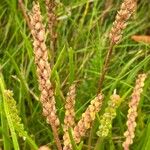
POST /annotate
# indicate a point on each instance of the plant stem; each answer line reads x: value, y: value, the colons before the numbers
x: 57, y: 140
x: 90, y: 138
x: 99, y: 144
x: 105, y: 67
x: 22, y: 7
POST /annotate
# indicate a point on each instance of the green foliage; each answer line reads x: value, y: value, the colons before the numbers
x: 13, y: 113
x: 13, y: 119
x: 81, y: 47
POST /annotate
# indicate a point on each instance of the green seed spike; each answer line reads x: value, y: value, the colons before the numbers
x: 109, y: 115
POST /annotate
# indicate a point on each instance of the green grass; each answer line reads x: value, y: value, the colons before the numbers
x: 81, y: 48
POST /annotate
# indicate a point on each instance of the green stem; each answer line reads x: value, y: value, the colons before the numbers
x: 105, y: 67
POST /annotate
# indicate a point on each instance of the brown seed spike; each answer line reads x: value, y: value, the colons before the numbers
x: 43, y: 71
x: 115, y: 35
x: 126, y: 10
x: 132, y: 112
x: 52, y: 23
x: 43, y: 67
x: 69, y: 116
x: 87, y: 118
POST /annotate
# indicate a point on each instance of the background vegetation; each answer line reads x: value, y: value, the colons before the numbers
x: 82, y: 31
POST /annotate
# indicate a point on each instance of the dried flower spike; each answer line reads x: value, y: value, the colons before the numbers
x: 126, y: 10
x: 52, y: 23
x: 43, y: 67
x: 26, y: 17
x: 43, y: 70
x: 69, y: 121
x: 87, y: 118
x: 132, y: 112
x: 109, y: 115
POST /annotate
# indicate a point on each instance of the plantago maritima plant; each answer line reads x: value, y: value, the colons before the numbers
x: 126, y: 10
x: 47, y: 98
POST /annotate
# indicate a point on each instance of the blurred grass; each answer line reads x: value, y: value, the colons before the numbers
x: 81, y: 48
